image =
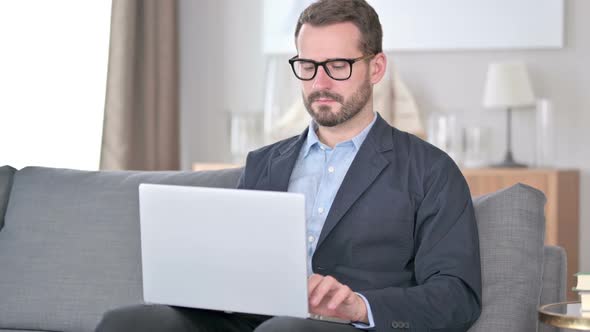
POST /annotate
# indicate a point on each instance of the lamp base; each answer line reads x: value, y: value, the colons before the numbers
x: 509, y: 162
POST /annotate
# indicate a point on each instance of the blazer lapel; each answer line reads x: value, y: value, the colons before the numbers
x: 281, y: 166
x: 366, y: 166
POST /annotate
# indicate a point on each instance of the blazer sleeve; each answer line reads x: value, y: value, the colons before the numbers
x: 242, y: 180
x: 246, y: 172
x: 447, y: 269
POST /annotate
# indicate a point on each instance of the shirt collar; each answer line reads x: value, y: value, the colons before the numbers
x: 312, y: 138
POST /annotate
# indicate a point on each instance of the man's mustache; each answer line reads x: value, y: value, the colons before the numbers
x: 324, y: 94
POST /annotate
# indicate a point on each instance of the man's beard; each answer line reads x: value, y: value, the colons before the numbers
x: 351, y: 107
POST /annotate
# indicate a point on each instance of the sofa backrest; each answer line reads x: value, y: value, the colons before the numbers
x: 70, y: 247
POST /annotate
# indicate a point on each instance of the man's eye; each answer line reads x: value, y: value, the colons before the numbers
x: 338, y: 65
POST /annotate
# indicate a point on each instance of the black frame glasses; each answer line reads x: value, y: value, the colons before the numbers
x: 295, y: 62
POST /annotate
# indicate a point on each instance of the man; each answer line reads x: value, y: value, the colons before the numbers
x: 392, y: 240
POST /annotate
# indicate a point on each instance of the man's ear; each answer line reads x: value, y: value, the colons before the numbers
x: 378, y: 67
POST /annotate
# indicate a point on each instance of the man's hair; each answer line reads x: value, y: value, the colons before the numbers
x: 357, y: 12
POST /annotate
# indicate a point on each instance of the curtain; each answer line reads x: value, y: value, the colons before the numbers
x: 141, y: 120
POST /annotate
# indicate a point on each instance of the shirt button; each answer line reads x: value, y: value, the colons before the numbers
x: 311, y: 239
x: 320, y: 210
x: 331, y: 169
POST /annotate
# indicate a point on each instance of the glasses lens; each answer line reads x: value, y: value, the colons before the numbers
x: 339, y: 70
x: 304, y: 69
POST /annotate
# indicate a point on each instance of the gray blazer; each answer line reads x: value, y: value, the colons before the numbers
x: 401, y: 230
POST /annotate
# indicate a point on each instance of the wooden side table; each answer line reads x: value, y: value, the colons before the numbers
x: 562, y: 211
x: 566, y: 315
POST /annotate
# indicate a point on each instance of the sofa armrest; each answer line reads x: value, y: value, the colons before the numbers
x: 554, y: 280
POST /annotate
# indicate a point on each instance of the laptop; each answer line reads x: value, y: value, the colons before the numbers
x: 225, y: 249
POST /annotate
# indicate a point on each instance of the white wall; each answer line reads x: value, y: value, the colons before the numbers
x: 222, y: 31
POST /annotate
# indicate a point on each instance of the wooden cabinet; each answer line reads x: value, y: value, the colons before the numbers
x: 562, y: 218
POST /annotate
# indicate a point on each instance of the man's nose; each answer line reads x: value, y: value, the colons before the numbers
x: 322, y: 80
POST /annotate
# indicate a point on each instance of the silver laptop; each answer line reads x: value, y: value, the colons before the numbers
x: 225, y: 249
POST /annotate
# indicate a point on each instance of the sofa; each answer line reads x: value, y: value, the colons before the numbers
x: 70, y: 248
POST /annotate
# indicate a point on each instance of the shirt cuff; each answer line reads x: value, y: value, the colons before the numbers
x: 369, y: 315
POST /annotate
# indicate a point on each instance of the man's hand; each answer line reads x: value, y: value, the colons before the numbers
x: 328, y: 297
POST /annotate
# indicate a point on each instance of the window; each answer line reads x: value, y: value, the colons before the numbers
x: 53, y: 68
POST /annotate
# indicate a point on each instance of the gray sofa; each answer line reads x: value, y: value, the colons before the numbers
x: 69, y: 248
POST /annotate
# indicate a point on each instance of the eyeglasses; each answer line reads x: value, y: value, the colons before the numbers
x: 339, y: 69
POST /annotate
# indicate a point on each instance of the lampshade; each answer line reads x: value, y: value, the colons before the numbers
x: 508, y: 85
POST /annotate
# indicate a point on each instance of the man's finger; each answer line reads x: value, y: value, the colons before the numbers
x: 326, y: 285
x: 312, y: 282
x: 342, y: 294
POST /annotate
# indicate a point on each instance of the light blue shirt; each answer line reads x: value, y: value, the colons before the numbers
x: 318, y: 174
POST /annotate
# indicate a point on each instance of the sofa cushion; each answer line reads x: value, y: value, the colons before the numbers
x: 511, y: 225
x: 70, y: 247
x: 6, y: 173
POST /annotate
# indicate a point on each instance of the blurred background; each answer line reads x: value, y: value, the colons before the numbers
x: 189, y: 83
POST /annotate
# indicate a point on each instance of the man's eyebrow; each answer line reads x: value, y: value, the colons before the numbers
x: 327, y: 59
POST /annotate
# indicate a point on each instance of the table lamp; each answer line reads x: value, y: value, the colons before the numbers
x: 508, y: 87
